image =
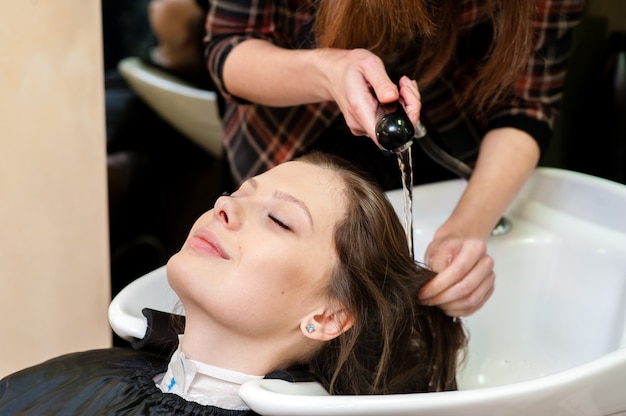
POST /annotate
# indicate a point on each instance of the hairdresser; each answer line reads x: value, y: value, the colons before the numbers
x: 299, y: 75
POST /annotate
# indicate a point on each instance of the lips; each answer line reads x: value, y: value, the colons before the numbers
x: 205, y: 242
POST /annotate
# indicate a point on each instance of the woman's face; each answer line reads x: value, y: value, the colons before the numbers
x: 258, y: 261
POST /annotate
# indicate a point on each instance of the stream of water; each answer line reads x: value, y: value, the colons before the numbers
x: 405, y: 161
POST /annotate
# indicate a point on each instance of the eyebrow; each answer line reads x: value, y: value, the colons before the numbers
x: 288, y: 198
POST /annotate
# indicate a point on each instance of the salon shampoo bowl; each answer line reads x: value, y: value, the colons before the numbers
x: 551, y: 340
x: 192, y: 111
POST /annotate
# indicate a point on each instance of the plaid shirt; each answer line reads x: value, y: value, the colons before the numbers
x: 259, y: 137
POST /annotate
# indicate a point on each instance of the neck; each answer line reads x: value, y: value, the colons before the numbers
x: 221, y: 347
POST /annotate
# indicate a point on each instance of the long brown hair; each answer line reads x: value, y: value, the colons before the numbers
x: 425, y: 33
x: 395, y: 345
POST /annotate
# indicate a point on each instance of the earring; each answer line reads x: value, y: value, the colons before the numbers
x: 310, y: 328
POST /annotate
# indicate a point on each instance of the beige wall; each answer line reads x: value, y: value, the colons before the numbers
x: 53, y: 222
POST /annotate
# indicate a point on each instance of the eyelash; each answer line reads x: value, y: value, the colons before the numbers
x: 279, y: 222
x: 270, y: 216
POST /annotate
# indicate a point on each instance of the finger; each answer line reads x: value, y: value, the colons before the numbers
x: 468, y: 285
x: 385, y: 92
x: 374, y: 71
x: 361, y: 120
x: 360, y: 109
x: 438, y: 259
x: 468, y: 306
x: 411, y: 98
x: 455, y: 269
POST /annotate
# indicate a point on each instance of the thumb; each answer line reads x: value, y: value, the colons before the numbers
x: 384, y: 89
x: 439, y: 260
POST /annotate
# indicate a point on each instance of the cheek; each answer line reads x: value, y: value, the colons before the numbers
x: 187, y: 275
x: 175, y: 268
x: 298, y: 279
x: 277, y: 276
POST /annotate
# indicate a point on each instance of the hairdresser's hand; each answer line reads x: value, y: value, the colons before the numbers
x: 352, y: 75
x: 465, y: 278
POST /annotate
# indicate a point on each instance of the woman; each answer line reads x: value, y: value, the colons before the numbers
x: 304, y: 74
x: 305, y: 266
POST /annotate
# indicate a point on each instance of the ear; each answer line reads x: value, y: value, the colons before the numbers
x: 326, y: 324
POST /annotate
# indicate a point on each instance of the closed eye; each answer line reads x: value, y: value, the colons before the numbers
x: 279, y: 222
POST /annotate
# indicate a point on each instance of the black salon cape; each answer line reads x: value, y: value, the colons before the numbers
x: 114, y: 381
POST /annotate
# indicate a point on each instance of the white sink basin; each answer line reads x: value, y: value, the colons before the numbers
x: 560, y: 298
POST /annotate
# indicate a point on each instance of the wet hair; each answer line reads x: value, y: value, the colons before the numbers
x: 419, y: 38
x: 395, y: 344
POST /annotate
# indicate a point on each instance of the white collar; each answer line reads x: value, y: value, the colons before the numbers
x: 203, y: 383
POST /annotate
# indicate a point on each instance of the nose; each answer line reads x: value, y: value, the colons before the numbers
x: 229, y: 212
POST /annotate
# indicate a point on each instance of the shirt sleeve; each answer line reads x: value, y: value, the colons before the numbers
x: 230, y: 22
x: 533, y: 106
